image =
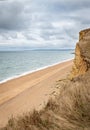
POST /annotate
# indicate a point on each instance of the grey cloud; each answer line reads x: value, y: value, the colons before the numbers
x: 43, y: 23
x: 12, y: 15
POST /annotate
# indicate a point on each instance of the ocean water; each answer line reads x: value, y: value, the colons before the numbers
x: 17, y: 63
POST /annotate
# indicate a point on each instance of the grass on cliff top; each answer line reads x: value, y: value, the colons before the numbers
x: 69, y: 111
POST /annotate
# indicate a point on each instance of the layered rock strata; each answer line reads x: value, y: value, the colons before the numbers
x: 82, y: 54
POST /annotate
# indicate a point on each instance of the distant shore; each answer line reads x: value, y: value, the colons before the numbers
x: 31, y: 90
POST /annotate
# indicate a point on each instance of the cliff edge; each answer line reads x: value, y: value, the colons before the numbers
x: 82, y: 54
x: 70, y: 110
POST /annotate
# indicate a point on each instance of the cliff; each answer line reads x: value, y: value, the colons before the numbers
x: 82, y: 54
x: 70, y: 110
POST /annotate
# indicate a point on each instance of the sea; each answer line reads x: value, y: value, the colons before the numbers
x: 14, y: 64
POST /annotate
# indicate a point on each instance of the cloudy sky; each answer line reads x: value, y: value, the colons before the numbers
x: 42, y: 23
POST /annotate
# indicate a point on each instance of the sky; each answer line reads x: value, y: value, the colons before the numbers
x: 42, y: 23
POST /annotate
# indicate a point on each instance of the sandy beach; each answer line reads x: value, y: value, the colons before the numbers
x: 31, y: 91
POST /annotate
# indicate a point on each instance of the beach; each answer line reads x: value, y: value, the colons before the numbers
x: 31, y: 91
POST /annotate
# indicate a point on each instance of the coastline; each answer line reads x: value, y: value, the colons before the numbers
x: 32, y: 71
x: 32, y: 91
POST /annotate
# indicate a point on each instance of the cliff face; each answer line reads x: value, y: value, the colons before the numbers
x: 82, y: 54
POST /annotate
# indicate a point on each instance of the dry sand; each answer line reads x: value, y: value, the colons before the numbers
x: 31, y: 91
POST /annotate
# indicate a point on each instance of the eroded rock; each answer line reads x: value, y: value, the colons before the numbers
x: 82, y: 54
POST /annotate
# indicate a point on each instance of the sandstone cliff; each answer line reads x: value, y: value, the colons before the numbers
x: 82, y: 54
x: 70, y: 110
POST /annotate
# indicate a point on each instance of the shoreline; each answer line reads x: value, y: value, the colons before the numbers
x: 32, y: 71
x: 32, y: 91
